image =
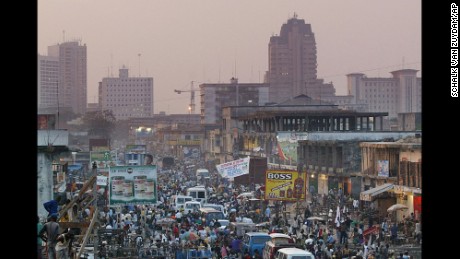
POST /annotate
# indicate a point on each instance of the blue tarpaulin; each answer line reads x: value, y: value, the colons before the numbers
x: 74, y: 167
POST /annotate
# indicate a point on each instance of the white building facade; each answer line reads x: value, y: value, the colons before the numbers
x: 401, y: 93
x: 127, y: 97
x: 47, y: 82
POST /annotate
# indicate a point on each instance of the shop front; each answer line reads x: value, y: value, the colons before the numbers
x: 312, y: 183
x: 411, y: 197
x: 322, y: 184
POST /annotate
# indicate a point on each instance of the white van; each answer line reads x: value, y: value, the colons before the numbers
x: 199, y: 193
x: 180, y: 201
x: 293, y: 253
x: 202, y: 173
x: 192, y: 206
x: 218, y: 207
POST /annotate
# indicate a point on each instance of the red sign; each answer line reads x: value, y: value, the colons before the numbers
x: 417, y: 204
x: 371, y: 230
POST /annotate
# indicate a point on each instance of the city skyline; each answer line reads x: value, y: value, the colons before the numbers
x: 212, y: 41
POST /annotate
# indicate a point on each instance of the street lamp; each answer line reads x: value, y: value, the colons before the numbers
x: 57, y: 95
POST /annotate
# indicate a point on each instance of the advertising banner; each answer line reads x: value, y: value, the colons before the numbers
x: 132, y: 185
x: 284, y: 185
x: 101, y: 180
x: 382, y: 168
x: 135, y: 148
x: 234, y: 168
x: 287, y: 146
x: 46, y: 121
x: 103, y: 159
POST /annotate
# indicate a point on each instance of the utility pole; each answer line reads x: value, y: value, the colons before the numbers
x: 57, y: 100
x: 95, y: 217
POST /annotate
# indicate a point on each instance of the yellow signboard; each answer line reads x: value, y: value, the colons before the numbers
x: 283, y: 185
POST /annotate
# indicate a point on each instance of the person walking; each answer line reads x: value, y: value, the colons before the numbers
x: 63, y: 245
x: 51, y: 228
x: 267, y: 213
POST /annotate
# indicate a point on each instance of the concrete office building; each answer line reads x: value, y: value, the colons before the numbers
x: 72, y: 75
x: 216, y: 96
x: 127, y: 97
x: 47, y: 82
x: 401, y: 93
x: 293, y: 64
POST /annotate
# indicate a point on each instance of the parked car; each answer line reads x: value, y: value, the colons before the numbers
x: 277, y: 242
x: 255, y: 241
x: 293, y: 253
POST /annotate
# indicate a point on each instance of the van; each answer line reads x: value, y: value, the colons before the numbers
x: 293, y: 253
x: 253, y: 241
x: 180, y: 200
x: 199, y: 193
x: 192, y: 206
x: 218, y: 207
x: 241, y: 228
x: 208, y: 215
x: 202, y: 173
x: 278, y: 241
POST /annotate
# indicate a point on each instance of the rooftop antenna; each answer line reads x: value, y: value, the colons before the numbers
x: 204, y: 73
x: 219, y: 71
x: 235, y: 69
x: 259, y: 74
x: 402, y: 62
x: 111, y: 64
x: 63, y: 35
x: 139, y: 64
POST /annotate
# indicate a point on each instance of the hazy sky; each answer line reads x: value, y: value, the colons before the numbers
x: 209, y: 41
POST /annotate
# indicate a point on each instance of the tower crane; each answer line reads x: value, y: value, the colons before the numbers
x: 192, y: 97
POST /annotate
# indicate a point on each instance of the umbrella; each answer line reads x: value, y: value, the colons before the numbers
x: 192, y: 236
x: 245, y: 195
x: 165, y: 221
x: 397, y: 206
x: 315, y: 218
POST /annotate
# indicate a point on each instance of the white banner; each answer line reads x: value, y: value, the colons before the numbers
x: 101, y: 180
x: 234, y: 168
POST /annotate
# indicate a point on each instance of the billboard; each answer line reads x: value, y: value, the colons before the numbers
x: 46, y: 121
x: 286, y: 146
x: 133, y: 148
x: 234, y: 168
x: 382, y: 168
x: 132, y: 185
x: 191, y: 152
x: 103, y: 159
x: 284, y: 185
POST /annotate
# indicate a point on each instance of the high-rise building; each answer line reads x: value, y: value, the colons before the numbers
x: 293, y: 64
x: 127, y: 97
x: 47, y: 83
x: 401, y: 93
x: 72, y: 85
x: 216, y: 96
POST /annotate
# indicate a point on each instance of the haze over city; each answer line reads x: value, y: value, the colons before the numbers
x: 211, y: 41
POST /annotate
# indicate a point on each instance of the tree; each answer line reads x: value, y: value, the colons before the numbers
x: 100, y: 123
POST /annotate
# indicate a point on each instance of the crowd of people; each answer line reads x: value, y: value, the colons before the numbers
x: 340, y: 236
